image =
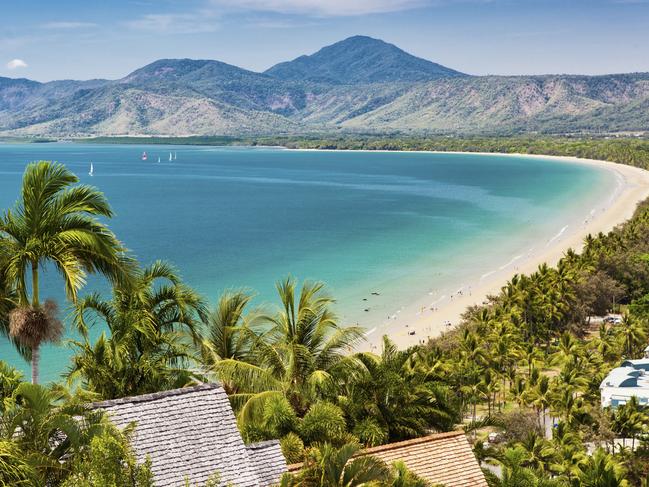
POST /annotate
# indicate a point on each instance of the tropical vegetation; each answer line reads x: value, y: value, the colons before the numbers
x: 520, y: 374
x: 55, y: 222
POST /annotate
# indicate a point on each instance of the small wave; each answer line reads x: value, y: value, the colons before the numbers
x: 483, y: 276
x: 438, y: 300
x: 558, y: 235
x: 510, y: 262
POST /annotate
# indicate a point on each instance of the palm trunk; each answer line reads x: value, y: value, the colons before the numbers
x: 36, y: 355
x: 35, y: 293
x: 474, y: 418
x: 35, y: 303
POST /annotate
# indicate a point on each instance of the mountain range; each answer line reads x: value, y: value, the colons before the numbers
x: 359, y: 84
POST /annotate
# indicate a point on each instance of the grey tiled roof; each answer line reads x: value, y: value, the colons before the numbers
x: 268, y: 460
x: 190, y: 433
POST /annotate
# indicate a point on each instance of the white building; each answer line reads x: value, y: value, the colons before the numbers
x: 628, y: 380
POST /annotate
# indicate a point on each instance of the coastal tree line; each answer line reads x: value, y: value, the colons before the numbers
x: 623, y: 150
x: 632, y: 151
x: 526, y: 360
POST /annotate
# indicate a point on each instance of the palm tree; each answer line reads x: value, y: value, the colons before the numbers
x: 403, y: 477
x: 539, y: 451
x: 8, y: 301
x: 605, y: 343
x: 153, y: 323
x: 230, y: 330
x: 48, y: 435
x: 306, y: 327
x: 540, y: 398
x: 519, y: 392
x: 632, y: 335
x: 489, y: 387
x: 10, y: 379
x: 15, y: 470
x: 602, y: 470
x: 503, y: 357
x: 55, y: 222
x: 302, y: 357
x: 392, y: 394
x: 472, y: 393
x: 328, y: 466
x: 515, y: 474
x: 568, y: 349
x: 629, y: 420
x: 571, y: 455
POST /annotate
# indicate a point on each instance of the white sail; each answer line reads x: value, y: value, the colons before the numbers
x: 175, y: 155
x: 92, y: 170
x: 158, y: 158
x: 170, y: 158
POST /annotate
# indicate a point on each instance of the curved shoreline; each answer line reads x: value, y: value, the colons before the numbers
x: 428, y: 321
x: 632, y: 189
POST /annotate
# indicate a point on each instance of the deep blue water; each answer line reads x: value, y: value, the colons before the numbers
x: 244, y: 217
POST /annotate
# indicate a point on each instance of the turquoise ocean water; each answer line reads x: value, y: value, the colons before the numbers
x: 401, y: 223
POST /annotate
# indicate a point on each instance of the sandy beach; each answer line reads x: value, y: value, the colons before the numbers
x: 429, y: 315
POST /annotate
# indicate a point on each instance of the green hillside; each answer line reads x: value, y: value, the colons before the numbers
x: 359, y: 85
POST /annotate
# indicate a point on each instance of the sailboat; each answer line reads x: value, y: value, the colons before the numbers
x: 92, y: 170
x: 170, y: 158
x: 175, y: 155
x: 158, y: 158
x: 144, y: 156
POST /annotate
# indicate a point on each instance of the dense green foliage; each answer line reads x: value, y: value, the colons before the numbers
x: 54, y: 222
x: 152, y: 324
x: 290, y: 375
x: 623, y: 150
x: 45, y: 440
x: 108, y: 461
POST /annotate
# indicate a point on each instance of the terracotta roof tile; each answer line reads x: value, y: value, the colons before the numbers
x: 444, y: 458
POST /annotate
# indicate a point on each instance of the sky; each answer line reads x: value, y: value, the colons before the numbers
x: 84, y: 39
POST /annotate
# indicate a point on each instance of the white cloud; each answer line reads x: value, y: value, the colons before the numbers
x: 189, y: 23
x: 16, y: 64
x: 67, y: 25
x: 326, y: 8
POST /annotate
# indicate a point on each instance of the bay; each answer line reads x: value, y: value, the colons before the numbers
x: 399, y: 222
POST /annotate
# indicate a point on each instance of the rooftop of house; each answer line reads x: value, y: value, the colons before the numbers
x: 190, y: 434
x: 639, y: 363
x: 268, y: 460
x: 443, y: 458
x: 632, y: 373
